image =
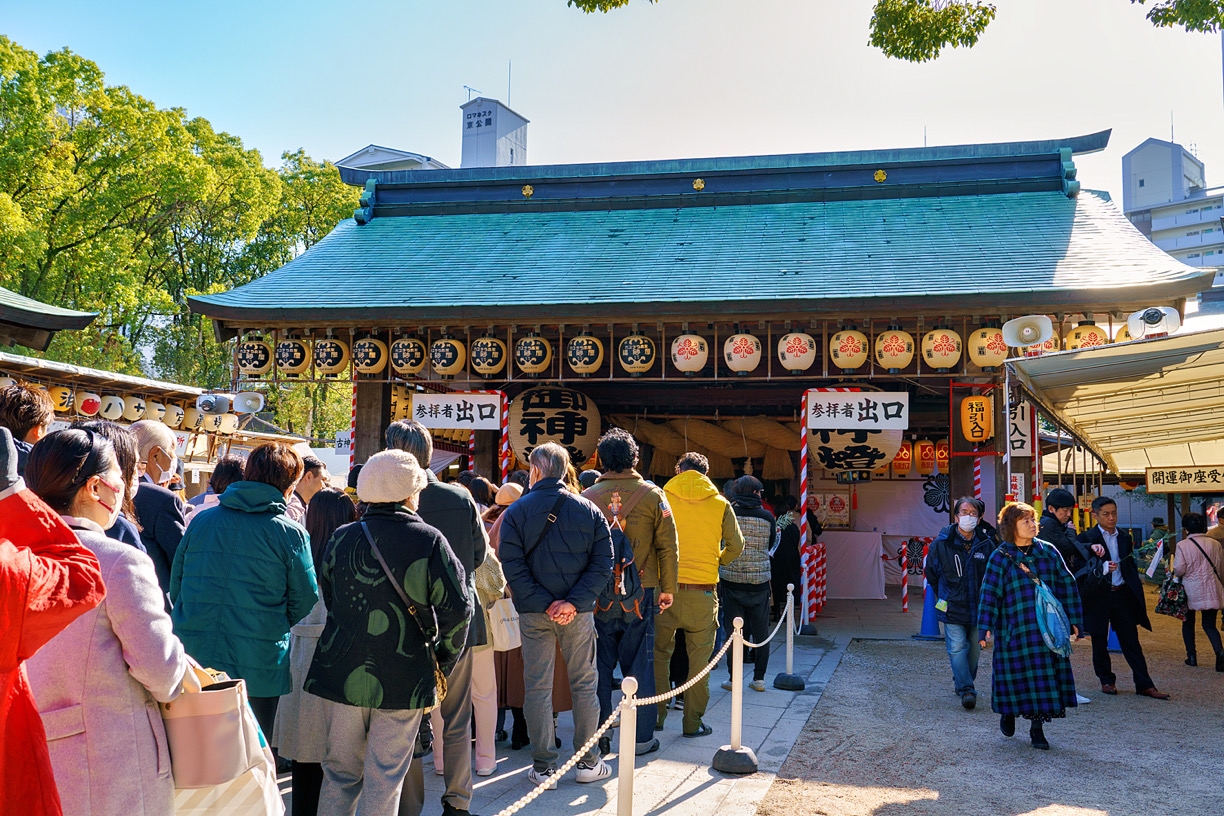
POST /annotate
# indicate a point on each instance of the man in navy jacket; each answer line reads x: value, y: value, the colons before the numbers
x: 556, y: 550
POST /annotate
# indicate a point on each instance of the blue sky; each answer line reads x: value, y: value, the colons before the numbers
x: 680, y: 78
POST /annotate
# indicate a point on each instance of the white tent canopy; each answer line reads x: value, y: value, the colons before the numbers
x: 1147, y: 403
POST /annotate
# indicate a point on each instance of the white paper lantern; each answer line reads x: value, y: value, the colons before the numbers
x: 689, y: 353
x: 797, y: 351
x: 742, y: 353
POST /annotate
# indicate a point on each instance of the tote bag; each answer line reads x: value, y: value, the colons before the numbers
x: 504, y: 626
x: 1051, y: 617
x: 212, y: 734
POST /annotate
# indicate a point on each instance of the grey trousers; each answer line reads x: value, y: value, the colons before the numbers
x: 369, y: 751
x: 577, y: 643
x: 455, y: 739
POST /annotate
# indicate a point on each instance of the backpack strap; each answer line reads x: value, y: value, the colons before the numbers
x: 616, y: 519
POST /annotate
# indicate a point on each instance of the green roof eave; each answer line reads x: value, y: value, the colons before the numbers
x: 28, y: 322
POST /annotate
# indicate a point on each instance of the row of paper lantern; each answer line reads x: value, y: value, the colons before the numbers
x: 133, y: 408
x: 922, y: 456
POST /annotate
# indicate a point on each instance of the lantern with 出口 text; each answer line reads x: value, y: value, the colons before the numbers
x: 532, y: 354
x: 155, y: 411
x: 797, y: 352
x: 292, y: 356
x: 848, y: 349
x: 407, y: 356
x: 903, y: 462
x: 174, y: 415
x: 584, y: 353
x: 193, y: 418
x: 61, y: 398
x: 894, y: 349
x: 133, y: 408
x: 976, y: 419
x: 689, y: 353
x: 370, y: 355
x: 987, y: 348
x: 924, y: 455
x: 447, y: 356
x: 854, y: 450
x: 551, y: 414
x: 1086, y: 335
x: 87, y: 403
x: 488, y: 355
x: 941, y: 348
x: 254, y: 357
x: 636, y: 354
x: 331, y: 356
x: 742, y: 353
x: 943, y: 455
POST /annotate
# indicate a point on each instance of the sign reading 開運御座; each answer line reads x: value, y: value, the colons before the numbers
x: 858, y: 410
x: 459, y: 410
x: 1191, y: 479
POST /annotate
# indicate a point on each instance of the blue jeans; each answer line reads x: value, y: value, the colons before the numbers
x: 631, y: 644
x: 963, y: 651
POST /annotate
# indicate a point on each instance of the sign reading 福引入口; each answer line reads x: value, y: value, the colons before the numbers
x: 858, y: 411
x: 459, y: 410
x: 1190, y: 479
x: 1020, y: 429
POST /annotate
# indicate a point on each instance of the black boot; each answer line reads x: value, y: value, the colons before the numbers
x: 1192, y: 659
x: 1007, y: 724
x: 518, y: 738
x: 1220, y: 662
x: 1038, y: 736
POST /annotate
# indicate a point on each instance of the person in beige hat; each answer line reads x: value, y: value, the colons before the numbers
x: 374, y: 664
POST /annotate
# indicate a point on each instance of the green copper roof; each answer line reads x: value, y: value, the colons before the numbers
x: 977, y: 254
x: 27, y: 322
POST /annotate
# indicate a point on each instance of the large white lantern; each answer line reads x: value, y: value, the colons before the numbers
x: 689, y: 353
x: 742, y: 353
x: 797, y: 352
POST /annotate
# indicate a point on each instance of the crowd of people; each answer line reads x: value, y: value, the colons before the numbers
x: 358, y: 619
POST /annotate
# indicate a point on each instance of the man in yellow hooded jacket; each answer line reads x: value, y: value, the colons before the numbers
x: 709, y: 536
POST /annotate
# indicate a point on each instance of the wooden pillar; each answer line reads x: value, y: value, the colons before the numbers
x: 485, y: 463
x: 373, y: 417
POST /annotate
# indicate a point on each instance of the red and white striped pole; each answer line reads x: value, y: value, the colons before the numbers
x: 905, y: 576
x: 353, y: 429
x: 822, y: 594
x: 812, y: 602
x: 977, y: 478
x: 503, y: 456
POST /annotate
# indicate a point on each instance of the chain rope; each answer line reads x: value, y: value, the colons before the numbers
x: 765, y: 642
x: 658, y: 698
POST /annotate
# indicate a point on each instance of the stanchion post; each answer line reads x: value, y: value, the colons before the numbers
x: 628, y: 748
x: 789, y: 681
x: 735, y: 758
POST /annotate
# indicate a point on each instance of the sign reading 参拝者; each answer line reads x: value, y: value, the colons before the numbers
x: 1191, y: 479
x: 451, y: 411
x: 858, y: 411
x: 1020, y: 430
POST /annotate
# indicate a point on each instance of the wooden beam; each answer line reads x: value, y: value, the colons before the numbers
x: 373, y: 417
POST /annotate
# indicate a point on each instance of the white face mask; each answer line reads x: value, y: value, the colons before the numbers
x: 168, y: 474
x: 967, y: 523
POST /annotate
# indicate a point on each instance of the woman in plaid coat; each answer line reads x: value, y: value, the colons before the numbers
x: 1028, y: 680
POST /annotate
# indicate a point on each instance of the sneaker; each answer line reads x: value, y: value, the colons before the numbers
x: 727, y: 685
x: 537, y: 778
x: 757, y: 685
x: 969, y: 700
x: 593, y: 773
x: 485, y: 771
x: 643, y: 748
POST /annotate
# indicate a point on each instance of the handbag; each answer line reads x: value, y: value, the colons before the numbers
x: 212, y: 734
x: 253, y: 793
x: 430, y: 632
x: 1173, y: 600
x: 504, y: 626
x: 1051, y: 617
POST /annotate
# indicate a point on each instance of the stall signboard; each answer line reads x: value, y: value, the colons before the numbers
x: 831, y: 507
x: 1190, y: 479
x: 858, y: 410
x: 1020, y: 429
x: 458, y: 411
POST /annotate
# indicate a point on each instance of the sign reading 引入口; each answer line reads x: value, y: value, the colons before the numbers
x: 858, y: 410
x: 1191, y: 479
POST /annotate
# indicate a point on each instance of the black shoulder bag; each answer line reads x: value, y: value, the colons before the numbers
x: 429, y: 629
x: 548, y: 523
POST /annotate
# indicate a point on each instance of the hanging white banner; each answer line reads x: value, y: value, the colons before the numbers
x: 1020, y: 430
x: 460, y: 410
x: 858, y: 411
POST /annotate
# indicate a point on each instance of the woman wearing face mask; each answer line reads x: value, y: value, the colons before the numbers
x: 955, y: 566
x: 104, y: 731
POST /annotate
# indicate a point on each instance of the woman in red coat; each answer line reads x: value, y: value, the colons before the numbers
x: 47, y: 580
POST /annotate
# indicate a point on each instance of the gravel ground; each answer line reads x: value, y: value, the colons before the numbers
x: 889, y: 737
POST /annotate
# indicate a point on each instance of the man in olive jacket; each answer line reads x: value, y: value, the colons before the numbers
x: 452, y: 511
x: 651, y: 530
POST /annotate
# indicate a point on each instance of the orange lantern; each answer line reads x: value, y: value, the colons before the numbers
x: 894, y: 349
x: 924, y: 452
x: 904, y: 460
x: 976, y: 419
x: 942, y: 455
x: 941, y: 348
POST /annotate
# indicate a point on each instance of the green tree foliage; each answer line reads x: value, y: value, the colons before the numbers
x: 110, y: 204
x: 918, y: 30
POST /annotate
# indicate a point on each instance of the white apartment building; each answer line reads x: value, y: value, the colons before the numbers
x: 1165, y: 195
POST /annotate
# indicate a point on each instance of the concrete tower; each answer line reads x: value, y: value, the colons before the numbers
x: 493, y: 135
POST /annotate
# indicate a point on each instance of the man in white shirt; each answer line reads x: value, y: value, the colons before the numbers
x: 1123, y: 607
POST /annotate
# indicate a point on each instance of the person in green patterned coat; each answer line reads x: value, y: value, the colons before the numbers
x: 373, y: 663
x: 1029, y: 680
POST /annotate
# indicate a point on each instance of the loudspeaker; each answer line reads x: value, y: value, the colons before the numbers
x: 1030, y: 330
x: 214, y: 403
x: 1156, y: 321
x: 248, y: 402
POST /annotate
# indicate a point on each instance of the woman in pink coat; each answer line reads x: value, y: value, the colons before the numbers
x: 98, y: 683
x: 1199, y: 560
